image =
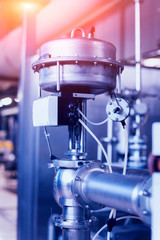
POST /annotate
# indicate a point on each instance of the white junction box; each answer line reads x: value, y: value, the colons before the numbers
x: 156, y: 139
x: 45, y: 111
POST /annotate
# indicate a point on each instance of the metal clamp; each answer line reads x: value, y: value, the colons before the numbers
x: 60, y: 222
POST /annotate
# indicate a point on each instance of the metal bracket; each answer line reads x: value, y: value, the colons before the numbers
x: 65, y: 163
x: 84, y: 95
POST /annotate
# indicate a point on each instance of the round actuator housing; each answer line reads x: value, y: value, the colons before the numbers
x: 77, y: 64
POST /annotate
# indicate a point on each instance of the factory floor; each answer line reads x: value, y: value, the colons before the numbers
x: 8, y: 205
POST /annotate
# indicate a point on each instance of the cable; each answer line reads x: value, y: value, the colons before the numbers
x: 105, y: 226
x: 48, y: 143
x: 125, y: 217
x: 126, y: 151
x: 93, y: 123
x: 99, y: 231
x: 112, y: 217
x: 122, y: 218
x: 112, y: 213
x: 100, y: 144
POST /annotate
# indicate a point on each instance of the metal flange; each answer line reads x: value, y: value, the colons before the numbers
x: 48, y: 61
x: 62, y: 223
x: 80, y: 176
x: 145, y: 196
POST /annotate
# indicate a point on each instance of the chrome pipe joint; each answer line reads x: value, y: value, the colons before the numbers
x: 75, y: 219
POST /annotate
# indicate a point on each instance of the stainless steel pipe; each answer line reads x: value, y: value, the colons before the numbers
x: 77, y: 234
x: 138, y: 45
x: 126, y: 193
x: 112, y: 190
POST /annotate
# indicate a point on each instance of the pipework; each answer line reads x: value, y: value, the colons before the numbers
x: 75, y: 221
x: 94, y: 186
x: 80, y: 70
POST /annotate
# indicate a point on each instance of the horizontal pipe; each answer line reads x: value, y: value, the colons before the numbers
x: 142, y: 173
x: 112, y: 190
x: 125, y: 193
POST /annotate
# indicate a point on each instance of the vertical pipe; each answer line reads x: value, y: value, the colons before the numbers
x: 51, y: 227
x: 138, y: 120
x: 28, y: 143
x: 119, y: 81
x: 23, y: 55
x: 75, y: 214
x: 69, y: 138
x: 109, y: 136
x: 58, y: 76
x: 71, y: 141
x: 99, y: 153
x: 137, y: 45
x: 77, y: 138
x: 77, y: 234
x: 138, y: 57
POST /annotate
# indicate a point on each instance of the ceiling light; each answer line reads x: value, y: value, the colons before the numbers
x: 32, y: 5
